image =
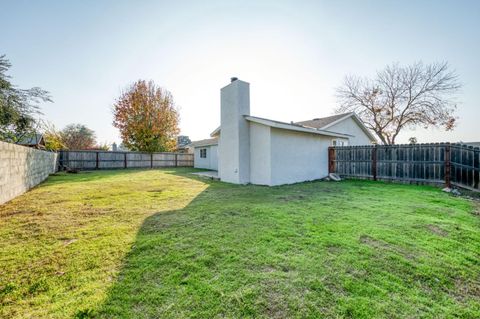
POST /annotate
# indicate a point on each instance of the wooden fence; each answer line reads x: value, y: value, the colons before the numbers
x: 439, y: 163
x: 88, y: 160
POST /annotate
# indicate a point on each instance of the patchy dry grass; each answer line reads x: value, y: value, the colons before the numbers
x: 164, y: 244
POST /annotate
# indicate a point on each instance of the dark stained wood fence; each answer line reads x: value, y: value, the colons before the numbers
x: 90, y: 160
x: 438, y: 163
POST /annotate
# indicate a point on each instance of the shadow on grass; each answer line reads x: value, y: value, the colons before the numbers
x: 221, y: 255
x: 162, y: 267
x: 196, y: 261
x: 247, y: 251
x: 227, y: 253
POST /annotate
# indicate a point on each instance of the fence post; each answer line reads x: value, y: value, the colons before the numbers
x: 374, y: 162
x: 125, y: 160
x: 60, y: 159
x: 476, y: 167
x: 96, y: 161
x: 176, y: 160
x: 331, y: 160
x: 448, y: 182
x: 151, y: 160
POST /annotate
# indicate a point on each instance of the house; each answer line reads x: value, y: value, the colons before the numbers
x: 206, y: 153
x: 34, y: 140
x: 249, y: 149
x: 183, y: 144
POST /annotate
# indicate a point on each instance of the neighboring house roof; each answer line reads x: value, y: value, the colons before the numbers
x: 293, y: 127
x: 324, y: 123
x: 215, y: 132
x: 206, y: 142
x: 32, y: 140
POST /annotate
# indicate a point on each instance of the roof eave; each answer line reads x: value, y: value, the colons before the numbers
x: 291, y: 127
x: 215, y: 132
x: 204, y: 145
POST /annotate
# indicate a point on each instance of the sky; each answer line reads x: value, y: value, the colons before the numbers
x: 294, y: 54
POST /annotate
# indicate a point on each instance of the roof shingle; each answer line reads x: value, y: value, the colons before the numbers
x: 206, y: 142
x: 318, y: 123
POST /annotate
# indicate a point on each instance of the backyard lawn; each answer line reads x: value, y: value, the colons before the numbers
x: 165, y: 244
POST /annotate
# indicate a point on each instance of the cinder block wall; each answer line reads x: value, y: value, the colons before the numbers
x: 21, y: 168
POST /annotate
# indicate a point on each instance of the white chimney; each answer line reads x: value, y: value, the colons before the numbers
x: 234, y: 144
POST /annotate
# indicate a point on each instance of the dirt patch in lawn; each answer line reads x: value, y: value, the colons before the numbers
x: 68, y: 241
x: 334, y: 249
x: 277, y: 305
x: 437, y: 230
x: 384, y: 246
x: 269, y: 269
x: 290, y: 198
x: 476, y: 209
x: 466, y: 288
x: 375, y: 243
x: 14, y: 212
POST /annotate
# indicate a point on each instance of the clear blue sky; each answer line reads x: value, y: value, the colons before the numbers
x: 294, y: 54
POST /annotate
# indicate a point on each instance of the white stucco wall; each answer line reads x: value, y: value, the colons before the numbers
x: 350, y: 126
x: 234, y: 143
x: 210, y: 162
x: 213, y: 157
x: 298, y: 157
x: 260, y: 154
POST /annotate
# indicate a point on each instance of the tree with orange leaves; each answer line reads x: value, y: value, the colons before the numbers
x: 147, y: 118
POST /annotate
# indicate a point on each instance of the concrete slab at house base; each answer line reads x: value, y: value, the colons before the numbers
x: 208, y: 174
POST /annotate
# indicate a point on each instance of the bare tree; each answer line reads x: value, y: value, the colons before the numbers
x: 402, y: 97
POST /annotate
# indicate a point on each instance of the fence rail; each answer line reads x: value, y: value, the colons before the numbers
x: 89, y: 160
x: 438, y: 163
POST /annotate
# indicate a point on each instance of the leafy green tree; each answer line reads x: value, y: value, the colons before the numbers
x: 18, y: 107
x: 102, y: 147
x: 53, y: 138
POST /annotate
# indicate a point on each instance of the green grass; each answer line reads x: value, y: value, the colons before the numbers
x: 164, y: 244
